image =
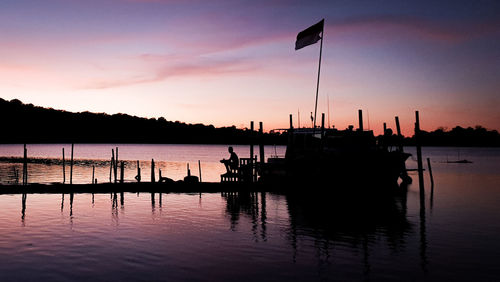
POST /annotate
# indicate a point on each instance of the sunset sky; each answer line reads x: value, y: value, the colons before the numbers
x: 229, y: 62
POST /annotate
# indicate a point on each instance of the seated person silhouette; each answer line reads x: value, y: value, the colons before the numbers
x: 232, y: 162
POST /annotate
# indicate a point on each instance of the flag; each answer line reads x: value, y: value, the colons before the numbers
x: 309, y: 35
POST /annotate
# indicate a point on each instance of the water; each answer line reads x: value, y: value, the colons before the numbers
x: 263, y: 236
x: 46, y: 161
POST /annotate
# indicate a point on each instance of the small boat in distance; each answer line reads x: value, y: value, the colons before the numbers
x: 458, y: 160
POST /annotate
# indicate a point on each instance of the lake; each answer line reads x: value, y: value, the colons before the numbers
x: 247, y: 236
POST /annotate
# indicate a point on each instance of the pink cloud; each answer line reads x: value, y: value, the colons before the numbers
x: 201, y: 68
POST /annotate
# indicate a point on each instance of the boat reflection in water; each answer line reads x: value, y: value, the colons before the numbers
x: 356, y: 223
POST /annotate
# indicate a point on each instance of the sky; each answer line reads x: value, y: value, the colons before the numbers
x: 230, y: 62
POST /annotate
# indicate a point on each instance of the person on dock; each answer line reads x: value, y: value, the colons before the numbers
x: 232, y: 162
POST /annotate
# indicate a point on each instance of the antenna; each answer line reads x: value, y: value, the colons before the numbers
x: 368, y: 117
x: 328, y: 105
x: 298, y: 115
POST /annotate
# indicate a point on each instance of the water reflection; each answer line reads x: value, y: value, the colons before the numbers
x: 353, y: 221
x: 245, y: 203
x: 323, y: 222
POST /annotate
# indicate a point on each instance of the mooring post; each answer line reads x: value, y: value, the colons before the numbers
x: 25, y: 165
x: 400, y: 137
x: 360, y: 117
x: 261, y: 142
x: 385, y: 127
x: 93, y: 174
x: 71, y: 165
x: 138, y: 176
x: 252, y: 163
x: 430, y: 172
x: 64, y: 167
x: 111, y: 165
x: 122, y: 171
x: 115, y: 168
x: 188, y: 170
x: 199, y: 169
x: 419, y: 156
x: 153, y: 171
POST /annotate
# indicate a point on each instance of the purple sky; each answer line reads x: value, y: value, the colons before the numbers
x: 229, y: 62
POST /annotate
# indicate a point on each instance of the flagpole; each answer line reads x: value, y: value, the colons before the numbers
x: 317, y: 84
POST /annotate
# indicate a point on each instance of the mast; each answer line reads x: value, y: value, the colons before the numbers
x: 317, y: 83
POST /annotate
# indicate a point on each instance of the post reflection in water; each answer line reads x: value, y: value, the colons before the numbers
x: 71, y: 195
x: 246, y: 203
x: 23, y: 209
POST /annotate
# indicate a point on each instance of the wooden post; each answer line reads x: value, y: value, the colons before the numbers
x: 188, y: 170
x: 251, y: 150
x: 385, y: 127
x: 93, y: 174
x: 153, y: 171
x: 111, y: 165
x: 419, y: 156
x: 138, y: 176
x: 64, y: 167
x: 291, y: 121
x: 400, y: 141
x: 360, y: 117
x: 199, y: 169
x: 122, y: 171
x: 115, y: 168
x: 25, y: 165
x: 430, y: 172
x: 261, y: 142
x: 71, y: 165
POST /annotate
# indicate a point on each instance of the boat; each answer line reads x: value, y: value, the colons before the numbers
x: 338, y: 156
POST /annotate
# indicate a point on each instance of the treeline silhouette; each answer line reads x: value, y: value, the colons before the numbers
x: 459, y: 137
x: 26, y: 123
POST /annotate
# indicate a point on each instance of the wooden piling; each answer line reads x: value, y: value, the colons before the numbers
x: 385, y: 127
x: 122, y: 171
x: 199, y: 169
x: 153, y: 171
x: 138, y: 176
x: 93, y: 174
x: 64, y: 166
x: 400, y: 136
x: 419, y: 155
x: 115, y: 167
x: 25, y: 165
x: 261, y: 142
x: 251, y: 150
x: 71, y: 165
x: 360, y: 118
x: 430, y: 172
x: 188, y: 170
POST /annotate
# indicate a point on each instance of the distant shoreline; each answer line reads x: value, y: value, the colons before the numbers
x: 26, y: 123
